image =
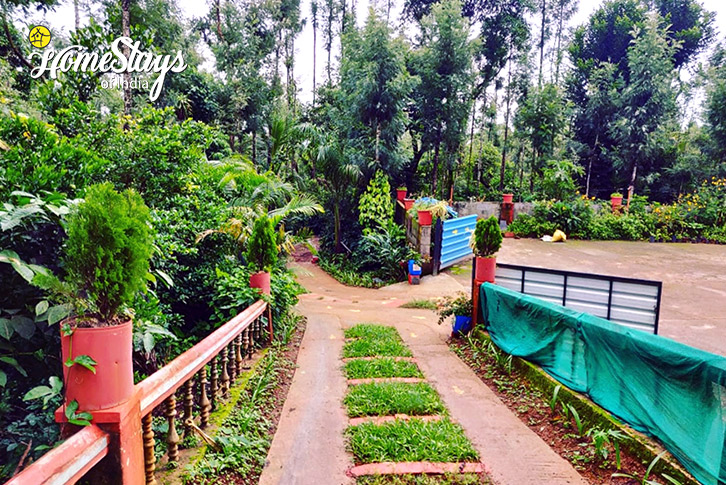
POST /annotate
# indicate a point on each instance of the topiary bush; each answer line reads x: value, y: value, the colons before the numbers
x: 108, y: 249
x: 262, y: 246
x: 375, y: 206
x: 487, y: 238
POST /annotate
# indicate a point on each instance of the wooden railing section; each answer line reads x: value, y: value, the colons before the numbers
x: 202, y: 377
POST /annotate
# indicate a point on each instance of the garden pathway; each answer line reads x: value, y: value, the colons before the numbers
x: 309, y: 447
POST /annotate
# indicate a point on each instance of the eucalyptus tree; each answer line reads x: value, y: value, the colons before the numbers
x: 443, y: 63
x: 375, y: 85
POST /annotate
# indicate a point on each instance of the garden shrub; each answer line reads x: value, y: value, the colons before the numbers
x: 487, y: 237
x: 262, y: 246
x: 108, y: 248
x: 375, y: 206
x: 381, y: 252
x: 573, y: 217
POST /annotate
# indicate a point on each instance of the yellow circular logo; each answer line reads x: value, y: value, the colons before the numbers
x: 39, y: 36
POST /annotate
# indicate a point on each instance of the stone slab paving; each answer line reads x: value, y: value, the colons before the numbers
x: 309, y: 445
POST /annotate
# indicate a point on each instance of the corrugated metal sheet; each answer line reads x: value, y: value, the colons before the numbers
x: 630, y: 302
x: 455, y: 240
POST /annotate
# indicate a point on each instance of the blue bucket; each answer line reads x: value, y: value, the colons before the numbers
x: 411, y: 270
x: 462, y: 325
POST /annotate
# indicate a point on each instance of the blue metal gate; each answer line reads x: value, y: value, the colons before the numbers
x: 455, y: 235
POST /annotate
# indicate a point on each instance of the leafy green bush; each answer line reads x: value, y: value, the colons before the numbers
x: 262, y: 245
x: 381, y: 252
x: 108, y: 249
x: 627, y: 227
x: 375, y: 206
x: 487, y: 237
x: 558, y: 179
x: 526, y: 225
x: 572, y: 217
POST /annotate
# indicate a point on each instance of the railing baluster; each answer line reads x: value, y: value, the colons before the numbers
x: 246, y: 343
x: 149, y: 459
x: 204, y: 403
x: 238, y: 354
x: 232, y: 363
x: 252, y: 337
x: 225, y: 374
x: 172, y: 437
x: 213, y: 384
x: 188, y: 406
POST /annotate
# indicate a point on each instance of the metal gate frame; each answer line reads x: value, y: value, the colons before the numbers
x: 569, y: 275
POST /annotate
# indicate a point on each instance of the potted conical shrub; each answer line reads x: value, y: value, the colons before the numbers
x: 106, y: 258
x: 461, y: 308
x: 401, y: 193
x: 262, y: 253
x: 485, y: 242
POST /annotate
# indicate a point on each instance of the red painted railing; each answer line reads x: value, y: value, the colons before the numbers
x: 124, y: 433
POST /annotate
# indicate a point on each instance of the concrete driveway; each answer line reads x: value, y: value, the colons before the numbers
x: 693, y: 305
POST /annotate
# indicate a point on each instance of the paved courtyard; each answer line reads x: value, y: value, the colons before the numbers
x: 693, y: 305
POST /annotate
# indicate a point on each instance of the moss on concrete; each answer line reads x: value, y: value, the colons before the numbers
x: 639, y: 445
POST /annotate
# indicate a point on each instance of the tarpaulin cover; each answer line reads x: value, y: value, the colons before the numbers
x: 663, y: 388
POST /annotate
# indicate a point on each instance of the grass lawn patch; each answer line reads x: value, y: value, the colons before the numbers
x: 383, y: 367
x: 376, y: 348
x: 457, y: 479
x: 414, y: 440
x: 389, y: 398
x: 372, y: 331
x: 420, y: 305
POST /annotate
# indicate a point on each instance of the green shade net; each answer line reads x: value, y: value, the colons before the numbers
x: 660, y: 387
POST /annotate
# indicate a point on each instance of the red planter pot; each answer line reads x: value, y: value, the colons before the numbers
x: 261, y: 280
x: 408, y: 203
x: 113, y: 382
x: 486, y: 268
x: 507, y: 198
x: 401, y: 194
x: 616, y: 202
x: 424, y: 218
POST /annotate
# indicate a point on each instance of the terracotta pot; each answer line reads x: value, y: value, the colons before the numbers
x: 113, y: 382
x: 424, y: 218
x: 261, y: 280
x: 507, y: 198
x: 485, y: 269
x: 408, y: 203
x: 616, y: 202
x: 401, y: 194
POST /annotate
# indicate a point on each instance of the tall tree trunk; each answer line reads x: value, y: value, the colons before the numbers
x: 503, y: 167
x: 314, y: 7
x: 329, y: 47
x: 542, y: 40
x: 471, y: 139
x: 558, y: 50
x: 378, y: 144
x: 413, y: 166
x: 589, y: 165
x: 126, y: 30
x: 336, y: 227
x: 434, y: 178
x: 631, y: 187
x: 218, y: 14
x: 76, y: 14
x: 254, y: 147
x: 343, y: 17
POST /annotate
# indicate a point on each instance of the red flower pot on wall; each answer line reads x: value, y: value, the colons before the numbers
x: 616, y: 203
x: 400, y: 194
x: 486, y: 268
x: 507, y: 198
x: 113, y: 382
x: 424, y: 218
x: 261, y: 280
x: 408, y: 203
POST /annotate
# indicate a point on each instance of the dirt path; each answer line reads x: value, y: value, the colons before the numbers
x: 693, y: 306
x: 309, y: 448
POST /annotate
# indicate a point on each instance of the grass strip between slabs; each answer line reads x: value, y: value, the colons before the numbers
x: 420, y: 305
x: 414, y: 440
x: 372, y: 331
x: 449, y: 479
x: 383, y: 367
x: 390, y: 398
x: 375, y: 348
